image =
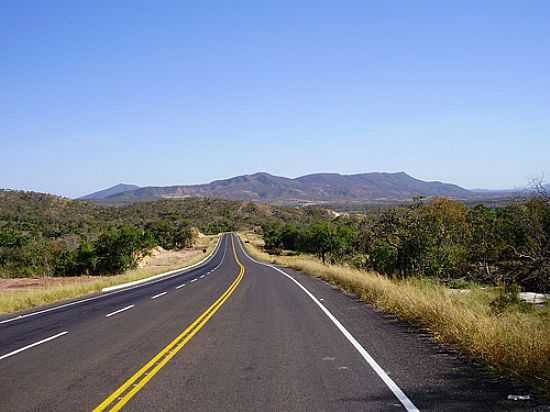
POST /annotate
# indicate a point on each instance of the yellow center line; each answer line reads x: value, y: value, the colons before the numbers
x: 128, y: 389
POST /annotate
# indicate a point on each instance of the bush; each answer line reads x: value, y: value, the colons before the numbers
x: 119, y: 249
x: 440, y: 239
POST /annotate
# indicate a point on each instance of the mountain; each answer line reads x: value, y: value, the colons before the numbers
x: 321, y: 187
x: 377, y: 186
x: 112, y: 191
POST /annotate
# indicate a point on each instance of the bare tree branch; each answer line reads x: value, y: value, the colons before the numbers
x: 538, y: 186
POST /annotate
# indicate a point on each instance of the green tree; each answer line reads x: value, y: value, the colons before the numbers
x: 119, y: 249
x: 320, y: 239
x: 483, y: 247
x: 272, y: 237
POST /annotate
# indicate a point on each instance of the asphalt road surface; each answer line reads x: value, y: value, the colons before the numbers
x: 234, y: 334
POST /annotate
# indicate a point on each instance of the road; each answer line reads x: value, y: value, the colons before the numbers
x: 233, y: 334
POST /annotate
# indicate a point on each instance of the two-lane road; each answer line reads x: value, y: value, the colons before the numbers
x: 231, y: 334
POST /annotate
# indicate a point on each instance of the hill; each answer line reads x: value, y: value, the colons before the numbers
x: 53, y: 216
x: 314, y: 188
x: 112, y: 191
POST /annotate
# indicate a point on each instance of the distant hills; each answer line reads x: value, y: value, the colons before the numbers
x: 313, y: 188
x: 112, y: 191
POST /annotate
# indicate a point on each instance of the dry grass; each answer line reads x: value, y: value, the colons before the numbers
x: 17, y: 300
x: 515, y: 342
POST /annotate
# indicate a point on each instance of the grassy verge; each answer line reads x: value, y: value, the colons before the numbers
x: 13, y: 301
x: 514, y: 342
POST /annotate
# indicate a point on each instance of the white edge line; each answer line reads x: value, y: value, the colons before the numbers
x: 179, y: 272
x: 201, y: 276
x: 159, y: 295
x: 32, y: 345
x: 221, y: 261
x: 399, y: 394
x: 193, y: 280
x: 180, y: 286
x: 118, y: 311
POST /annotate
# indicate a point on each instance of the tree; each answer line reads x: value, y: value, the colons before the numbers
x: 483, y: 249
x: 119, y: 249
x: 176, y: 234
x: 290, y: 237
x: 86, y: 259
x: 320, y: 239
x: 448, y: 227
x: 183, y: 235
x: 529, y: 250
x: 272, y: 237
x: 65, y: 263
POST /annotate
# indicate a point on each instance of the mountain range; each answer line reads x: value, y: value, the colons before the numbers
x: 313, y: 188
x: 112, y: 191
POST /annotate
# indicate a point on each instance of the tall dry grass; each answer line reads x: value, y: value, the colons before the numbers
x: 515, y: 342
x: 18, y: 300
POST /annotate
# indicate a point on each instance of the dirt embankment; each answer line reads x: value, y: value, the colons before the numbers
x: 161, y: 257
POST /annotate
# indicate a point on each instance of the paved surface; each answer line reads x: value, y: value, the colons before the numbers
x: 254, y: 340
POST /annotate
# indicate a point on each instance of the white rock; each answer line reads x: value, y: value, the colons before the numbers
x: 532, y: 297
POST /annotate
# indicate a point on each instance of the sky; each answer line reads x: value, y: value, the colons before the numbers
x: 161, y: 93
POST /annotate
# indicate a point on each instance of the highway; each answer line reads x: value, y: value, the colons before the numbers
x: 234, y: 334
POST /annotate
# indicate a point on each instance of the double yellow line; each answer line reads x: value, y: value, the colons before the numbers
x: 128, y: 389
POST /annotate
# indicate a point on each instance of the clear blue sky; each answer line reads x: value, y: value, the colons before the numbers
x: 158, y: 93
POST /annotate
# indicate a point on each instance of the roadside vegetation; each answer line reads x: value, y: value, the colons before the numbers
x: 45, y: 235
x: 73, y: 248
x: 50, y: 291
x: 439, y: 239
x: 455, y: 271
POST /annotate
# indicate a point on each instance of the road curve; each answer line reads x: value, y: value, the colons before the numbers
x: 234, y: 334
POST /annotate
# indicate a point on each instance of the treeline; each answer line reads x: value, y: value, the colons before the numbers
x: 441, y: 239
x: 114, y: 250
x: 42, y: 234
